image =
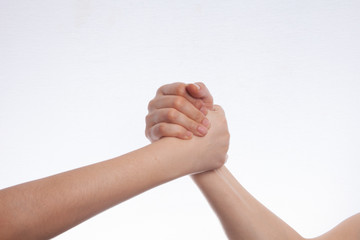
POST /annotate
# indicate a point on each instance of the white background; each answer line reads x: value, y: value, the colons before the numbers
x: 76, y: 77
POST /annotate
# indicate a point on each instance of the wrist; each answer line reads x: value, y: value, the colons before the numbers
x: 178, y: 156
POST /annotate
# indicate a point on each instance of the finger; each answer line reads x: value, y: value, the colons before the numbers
x: 179, y: 89
x: 200, y: 91
x: 181, y: 104
x: 171, y: 115
x: 218, y: 108
x: 167, y: 130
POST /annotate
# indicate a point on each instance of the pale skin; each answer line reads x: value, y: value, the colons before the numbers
x: 44, y: 208
x: 241, y: 215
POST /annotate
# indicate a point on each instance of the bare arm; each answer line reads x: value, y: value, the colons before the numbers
x: 347, y: 230
x: 241, y: 215
x: 44, y: 208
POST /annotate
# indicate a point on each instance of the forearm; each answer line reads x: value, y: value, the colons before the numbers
x: 348, y: 229
x: 241, y: 215
x: 44, y: 208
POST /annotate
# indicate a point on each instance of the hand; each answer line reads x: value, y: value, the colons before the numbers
x: 179, y: 110
x: 210, y: 151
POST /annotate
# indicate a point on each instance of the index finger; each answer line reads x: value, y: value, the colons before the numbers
x: 179, y: 89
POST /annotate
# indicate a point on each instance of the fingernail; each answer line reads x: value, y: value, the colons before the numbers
x: 202, y: 130
x: 206, y: 122
x: 188, y: 135
x: 197, y: 86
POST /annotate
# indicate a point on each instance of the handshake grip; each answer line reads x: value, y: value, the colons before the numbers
x: 187, y: 112
x: 213, y: 148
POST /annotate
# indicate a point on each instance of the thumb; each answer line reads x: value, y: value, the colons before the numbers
x: 199, y: 90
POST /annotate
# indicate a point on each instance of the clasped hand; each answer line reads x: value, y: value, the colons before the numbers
x: 186, y: 111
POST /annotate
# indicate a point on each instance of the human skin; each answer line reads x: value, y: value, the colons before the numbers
x: 169, y: 111
x: 44, y: 208
x: 241, y: 215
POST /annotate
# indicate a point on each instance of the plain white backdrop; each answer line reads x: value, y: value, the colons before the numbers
x: 76, y: 77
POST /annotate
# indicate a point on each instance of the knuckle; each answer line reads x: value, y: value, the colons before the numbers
x: 179, y: 132
x: 172, y: 115
x: 150, y: 134
x: 161, y: 129
x: 199, y: 116
x: 147, y: 119
x: 151, y: 104
x: 160, y: 90
x: 198, y: 103
x: 180, y: 89
x: 179, y: 102
x: 193, y: 127
x: 220, y: 161
x: 154, y: 133
x: 226, y: 141
x: 147, y: 133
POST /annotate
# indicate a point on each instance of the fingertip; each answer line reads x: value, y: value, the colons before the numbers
x: 206, y: 123
x: 194, y: 90
x: 202, y: 130
x: 188, y: 135
x: 217, y: 108
x: 184, y: 135
x: 204, y: 110
x: 197, y: 85
x: 202, y: 89
x: 200, y: 84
